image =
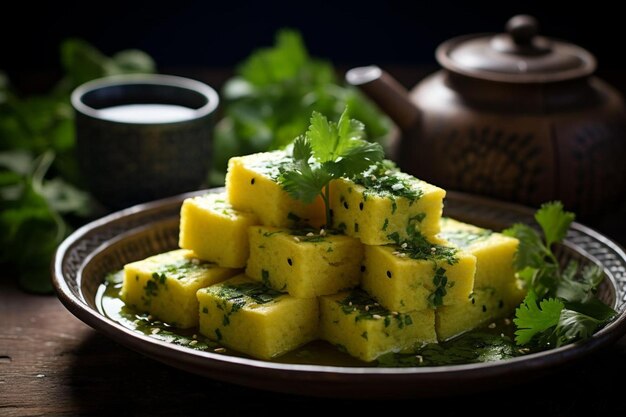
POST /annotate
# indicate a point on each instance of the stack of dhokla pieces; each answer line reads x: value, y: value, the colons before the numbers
x: 259, y: 274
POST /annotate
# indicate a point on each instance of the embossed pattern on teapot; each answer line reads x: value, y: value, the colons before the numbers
x: 515, y: 116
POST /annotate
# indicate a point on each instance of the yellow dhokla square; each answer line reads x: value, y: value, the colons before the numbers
x: 304, y: 263
x: 252, y: 185
x: 482, y: 306
x: 354, y: 322
x: 494, y: 252
x: 215, y: 231
x: 383, y: 203
x: 405, y: 278
x: 165, y: 285
x: 244, y: 315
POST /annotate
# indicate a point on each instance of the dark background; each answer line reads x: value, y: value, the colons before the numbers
x: 195, y: 34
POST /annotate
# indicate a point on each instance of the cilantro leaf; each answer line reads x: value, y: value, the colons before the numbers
x: 567, y: 309
x: 302, y: 149
x: 305, y: 184
x: 593, y: 308
x: 327, y: 151
x: 323, y: 136
x: 574, y: 325
x: 554, y: 221
x: 581, y: 289
x: 532, y: 318
x: 531, y: 251
x: 357, y: 159
x: 535, y: 263
x: 283, y: 62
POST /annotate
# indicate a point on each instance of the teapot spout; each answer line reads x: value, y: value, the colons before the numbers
x: 392, y: 98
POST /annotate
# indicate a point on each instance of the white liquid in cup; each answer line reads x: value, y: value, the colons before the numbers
x: 147, y: 113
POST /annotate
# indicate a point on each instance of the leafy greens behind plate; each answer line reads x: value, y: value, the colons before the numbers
x: 269, y: 101
x: 39, y: 179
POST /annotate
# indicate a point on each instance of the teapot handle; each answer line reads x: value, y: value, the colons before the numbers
x: 392, y: 98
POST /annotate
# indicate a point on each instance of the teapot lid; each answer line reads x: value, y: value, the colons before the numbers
x: 518, y: 56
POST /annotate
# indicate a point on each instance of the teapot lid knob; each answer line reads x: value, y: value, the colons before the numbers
x: 522, y: 28
x: 522, y: 37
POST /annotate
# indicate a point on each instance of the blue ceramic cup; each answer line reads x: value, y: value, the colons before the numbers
x: 143, y: 137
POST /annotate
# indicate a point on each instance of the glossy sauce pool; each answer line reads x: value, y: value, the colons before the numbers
x: 489, y: 343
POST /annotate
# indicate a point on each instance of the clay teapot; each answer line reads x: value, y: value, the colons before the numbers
x: 515, y: 116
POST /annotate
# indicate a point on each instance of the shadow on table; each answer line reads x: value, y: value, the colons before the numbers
x: 107, y: 379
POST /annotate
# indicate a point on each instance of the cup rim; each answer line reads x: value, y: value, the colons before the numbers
x: 148, y: 79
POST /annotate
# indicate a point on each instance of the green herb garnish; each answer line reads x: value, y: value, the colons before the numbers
x: 416, y: 246
x: 268, y: 101
x: 40, y: 185
x: 385, y: 179
x: 561, y: 306
x: 472, y: 347
x: 325, y: 152
x: 465, y: 238
x: 440, y: 281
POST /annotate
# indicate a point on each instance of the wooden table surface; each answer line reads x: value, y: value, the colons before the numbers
x: 52, y: 364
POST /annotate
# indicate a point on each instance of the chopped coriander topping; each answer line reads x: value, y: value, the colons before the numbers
x: 465, y: 238
x: 181, y: 269
x: 419, y: 217
x: 265, y: 277
x: 151, y: 288
x: 240, y: 294
x: 440, y: 280
x: 418, y: 247
x: 385, y: 180
x: 271, y: 164
x: 366, y: 308
x: 159, y: 278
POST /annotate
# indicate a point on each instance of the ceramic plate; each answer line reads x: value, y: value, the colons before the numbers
x: 105, y: 245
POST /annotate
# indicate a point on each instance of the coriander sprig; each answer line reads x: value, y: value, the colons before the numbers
x: 561, y: 306
x: 327, y: 151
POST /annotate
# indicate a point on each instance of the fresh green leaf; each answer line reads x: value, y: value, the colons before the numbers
x: 531, y: 251
x: 567, y: 309
x: 18, y: 161
x: 554, y: 221
x: 39, y: 177
x: 270, y: 100
x: 305, y: 185
x: 573, y: 326
x: 283, y: 62
x: 532, y: 318
x: 133, y: 61
x: 81, y: 61
x: 581, y: 290
x: 64, y: 198
x: 357, y: 159
x: 302, y: 150
x: 324, y: 138
x: 327, y: 151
